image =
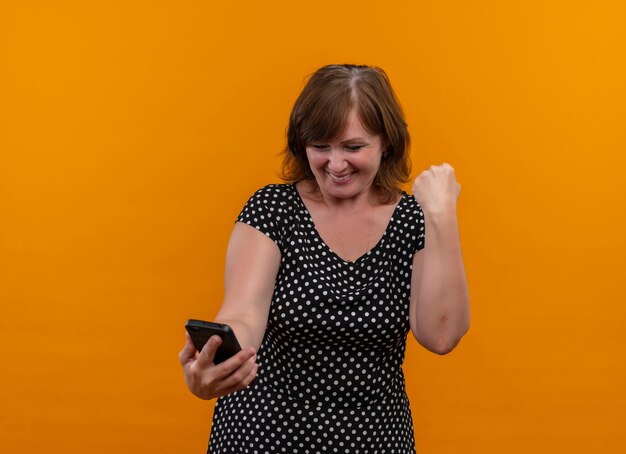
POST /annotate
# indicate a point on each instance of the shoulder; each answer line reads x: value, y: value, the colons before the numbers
x: 411, y: 205
x: 411, y: 219
x: 273, y: 193
x: 271, y: 209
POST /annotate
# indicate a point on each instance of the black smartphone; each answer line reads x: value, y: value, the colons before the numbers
x: 200, y: 332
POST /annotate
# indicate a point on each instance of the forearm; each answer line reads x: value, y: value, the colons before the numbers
x: 440, y: 308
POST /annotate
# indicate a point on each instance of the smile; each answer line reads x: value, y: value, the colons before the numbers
x: 340, y: 178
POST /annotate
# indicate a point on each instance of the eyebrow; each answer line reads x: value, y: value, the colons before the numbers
x: 354, y: 139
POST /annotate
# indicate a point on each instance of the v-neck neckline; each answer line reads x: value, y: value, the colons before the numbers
x: 366, y: 253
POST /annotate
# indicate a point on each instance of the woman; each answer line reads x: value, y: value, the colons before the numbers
x: 326, y: 275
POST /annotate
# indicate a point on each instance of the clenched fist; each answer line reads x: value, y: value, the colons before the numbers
x: 437, y: 190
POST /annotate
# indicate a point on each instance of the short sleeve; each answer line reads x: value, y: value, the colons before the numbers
x: 418, y: 226
x: 265, y: 211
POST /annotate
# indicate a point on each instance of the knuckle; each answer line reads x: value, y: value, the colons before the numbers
x: 193, y: 371
x: 228, y: 367
x: 206, y: 355
x: 239, y: 376
x: 206, y: 383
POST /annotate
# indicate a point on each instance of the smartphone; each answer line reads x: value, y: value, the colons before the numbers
x: 200, y: 332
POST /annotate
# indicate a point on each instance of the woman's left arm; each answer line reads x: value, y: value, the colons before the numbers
x: 440, y: 310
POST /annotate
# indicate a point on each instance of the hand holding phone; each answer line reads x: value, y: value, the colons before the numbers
x: 200, y: 332
x: 204, y: 376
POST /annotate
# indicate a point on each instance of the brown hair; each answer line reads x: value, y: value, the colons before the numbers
x: 321, y: 113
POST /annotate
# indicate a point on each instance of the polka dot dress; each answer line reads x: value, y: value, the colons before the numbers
x: 330, y: 366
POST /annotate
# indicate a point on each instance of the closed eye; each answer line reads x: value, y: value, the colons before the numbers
x: 354, y: 147
x: 320, y: 146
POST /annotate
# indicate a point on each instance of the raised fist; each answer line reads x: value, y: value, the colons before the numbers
x: 436, y: 189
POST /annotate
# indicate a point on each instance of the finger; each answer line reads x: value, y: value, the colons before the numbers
x: 207, y: 355
x: 232, y: 364
x: 249, y: 378
x: 188, y: 352
x: 244, y: 376
x: 239, y: 376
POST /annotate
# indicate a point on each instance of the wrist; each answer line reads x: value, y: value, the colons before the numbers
x: 440, y: 215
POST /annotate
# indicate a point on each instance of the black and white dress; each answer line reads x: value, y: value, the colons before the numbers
x: 330, y: 374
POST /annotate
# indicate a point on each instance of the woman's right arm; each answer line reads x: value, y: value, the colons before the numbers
x: 252, y: 263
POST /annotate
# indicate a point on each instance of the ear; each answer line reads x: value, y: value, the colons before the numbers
x: 385, y: 147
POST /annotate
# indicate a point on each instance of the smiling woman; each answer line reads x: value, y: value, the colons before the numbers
x: 325, y: 277
x: 361, y: 97
x: 347, y: 166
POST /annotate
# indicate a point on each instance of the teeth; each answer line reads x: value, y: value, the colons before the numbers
x: 338, y: 178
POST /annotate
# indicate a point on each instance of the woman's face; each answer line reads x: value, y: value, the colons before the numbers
x: 346, y: 166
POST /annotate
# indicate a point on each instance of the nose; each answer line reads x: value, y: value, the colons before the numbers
x: 336, y: 161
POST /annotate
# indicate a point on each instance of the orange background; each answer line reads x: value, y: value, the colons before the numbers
x: 131, y: 134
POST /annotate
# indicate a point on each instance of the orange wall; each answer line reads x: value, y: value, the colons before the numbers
x: 131, y: 133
